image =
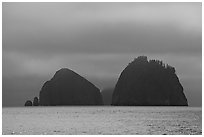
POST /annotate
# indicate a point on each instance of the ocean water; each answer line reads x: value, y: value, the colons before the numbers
x: 102, y: 120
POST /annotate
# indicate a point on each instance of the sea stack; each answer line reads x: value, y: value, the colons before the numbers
x: 35, y: 101
x: 28, y: 103
x: 68, y: 88
x: 148, y: 83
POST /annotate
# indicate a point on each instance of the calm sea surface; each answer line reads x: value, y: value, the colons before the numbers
x: 102, y: 120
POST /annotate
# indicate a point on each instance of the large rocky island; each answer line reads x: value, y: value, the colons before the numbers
x: 148, y: 83
x: 69, y: 88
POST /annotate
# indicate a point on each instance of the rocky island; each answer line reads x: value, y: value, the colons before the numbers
x: 69, y: 88
x: 148, y: 83
x: 28, y: 103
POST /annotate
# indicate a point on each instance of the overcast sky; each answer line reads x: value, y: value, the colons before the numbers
x: 97, y: 40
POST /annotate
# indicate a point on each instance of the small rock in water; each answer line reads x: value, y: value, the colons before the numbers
x: 56, y: 131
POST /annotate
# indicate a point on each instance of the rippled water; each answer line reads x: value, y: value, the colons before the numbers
x: 102, y: 120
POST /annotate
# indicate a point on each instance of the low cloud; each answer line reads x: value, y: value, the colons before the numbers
x: 94, y: 65
x: 55, y: 28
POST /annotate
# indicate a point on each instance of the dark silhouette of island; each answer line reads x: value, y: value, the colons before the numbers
x: 69, y: 88
x: 148, y: 83
x: 28, y: 103
x: 107, y: 95
x: 35, y: 101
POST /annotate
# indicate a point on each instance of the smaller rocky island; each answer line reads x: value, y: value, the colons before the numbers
x: 69, y: 88
x: 34, y: 103
x: 28, y: 103
x: 148, y: 83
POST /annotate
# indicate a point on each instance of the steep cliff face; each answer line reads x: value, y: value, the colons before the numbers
x: 69, y: 88
x: 145, y: 82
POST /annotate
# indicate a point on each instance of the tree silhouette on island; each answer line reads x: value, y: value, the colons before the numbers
x: 141, y: 83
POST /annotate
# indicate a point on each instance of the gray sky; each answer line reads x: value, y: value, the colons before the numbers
x: 97, y: 40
